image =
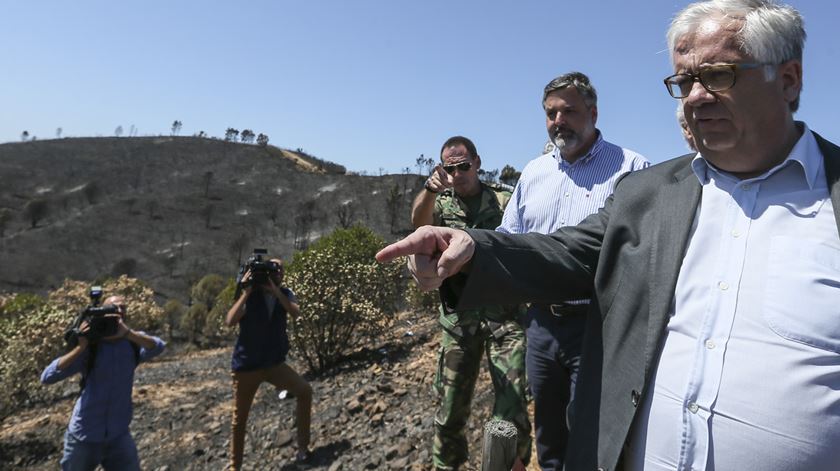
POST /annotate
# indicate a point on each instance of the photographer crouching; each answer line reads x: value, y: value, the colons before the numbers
x: 105, y: 351
x: 261, y: 347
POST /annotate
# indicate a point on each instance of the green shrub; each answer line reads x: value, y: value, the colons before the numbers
x: 417, y: 300
x: 346, y: 298
x: 36, y: 338
x: 215, y: 328
x: 192, y: 323
x: 204, y: 322
x: 173, y: 312
x: 207, y: 289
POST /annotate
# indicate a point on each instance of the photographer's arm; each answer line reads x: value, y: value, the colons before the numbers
x: 144, y: 341
x: 238, y: 309
x: 70, y: 357
x: 290, y: 305
x: 150, y: 346
x: 65, y: 365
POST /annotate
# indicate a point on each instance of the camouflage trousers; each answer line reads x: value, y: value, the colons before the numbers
x: 458, y: 368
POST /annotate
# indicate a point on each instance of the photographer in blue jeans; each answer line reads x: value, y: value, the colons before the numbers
x: 98, y: 432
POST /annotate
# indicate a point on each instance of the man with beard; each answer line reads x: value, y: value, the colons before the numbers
x: 557, y: 189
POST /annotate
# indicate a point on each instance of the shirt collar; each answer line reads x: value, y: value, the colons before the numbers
x: 593, y: 151
x: 805, y: 153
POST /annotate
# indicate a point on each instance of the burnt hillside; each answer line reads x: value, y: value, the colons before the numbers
x: 169, y: 210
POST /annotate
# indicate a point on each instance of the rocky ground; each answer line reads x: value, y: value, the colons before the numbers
x: 373, y: 412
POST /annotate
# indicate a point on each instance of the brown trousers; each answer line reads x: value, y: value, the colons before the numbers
x: 245, y: 385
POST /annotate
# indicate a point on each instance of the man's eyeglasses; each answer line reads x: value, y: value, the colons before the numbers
x: 463, y: 166
x: 714, y: 78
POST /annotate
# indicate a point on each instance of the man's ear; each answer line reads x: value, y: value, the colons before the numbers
x: 791, y: 74
x: 477, y: 162
x: 594, y: 111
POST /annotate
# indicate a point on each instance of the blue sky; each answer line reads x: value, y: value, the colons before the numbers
x: 367, y: 84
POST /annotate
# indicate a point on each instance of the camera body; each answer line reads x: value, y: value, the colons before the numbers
x: 261, y: 268
x: 100, y: 323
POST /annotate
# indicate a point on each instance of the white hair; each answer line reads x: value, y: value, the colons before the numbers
x: 771, y: 32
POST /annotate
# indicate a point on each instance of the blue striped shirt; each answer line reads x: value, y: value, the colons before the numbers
x: 553, y: 193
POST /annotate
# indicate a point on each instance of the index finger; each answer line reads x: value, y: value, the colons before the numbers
x: 407, y: 246
x: 422, y: 241
x: 441, y: 173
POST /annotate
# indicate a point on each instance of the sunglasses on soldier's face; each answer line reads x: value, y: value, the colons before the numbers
x: 463, y: 166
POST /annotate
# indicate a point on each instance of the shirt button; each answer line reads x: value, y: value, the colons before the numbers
x: 746, y: 187
x: 693, y: 407
x: 710, y: 344
x: 723, y: 286
x: 735, y: 233
x: 567, y: 194
x: 634, y: 397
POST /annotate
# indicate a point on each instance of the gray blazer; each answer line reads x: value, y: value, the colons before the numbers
x: 627, y: 258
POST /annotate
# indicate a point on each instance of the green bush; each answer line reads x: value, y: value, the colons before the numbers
x: 346, y: 298
x: 173, y: 312
x: 204, y: 322
x: 12, y: 308
x: 192, y: 323
x: 417, y: 300
x: 215, y: 328
x: 35, y: 337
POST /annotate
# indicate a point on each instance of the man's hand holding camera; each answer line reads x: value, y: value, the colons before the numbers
x: 122, y: 331
x: 271, y: 285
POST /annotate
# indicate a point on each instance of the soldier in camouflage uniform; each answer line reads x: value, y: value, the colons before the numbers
x: 455, y: 197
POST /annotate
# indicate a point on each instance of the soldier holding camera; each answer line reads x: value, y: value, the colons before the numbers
x: 261, y: 347
x: 98, y: 432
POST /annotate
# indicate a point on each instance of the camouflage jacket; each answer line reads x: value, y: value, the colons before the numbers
x: 451, y: 211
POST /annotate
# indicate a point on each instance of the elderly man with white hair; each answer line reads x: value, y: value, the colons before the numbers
x: 713, y: 339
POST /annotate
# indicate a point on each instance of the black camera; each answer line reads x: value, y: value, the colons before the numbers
x: 260, y: 268
x: 100, y: 323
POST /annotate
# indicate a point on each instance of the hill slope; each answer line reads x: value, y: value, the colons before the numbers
x: 168, y: 210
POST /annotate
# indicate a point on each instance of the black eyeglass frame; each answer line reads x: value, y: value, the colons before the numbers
x: 698, y: 77
x: 463, y: 166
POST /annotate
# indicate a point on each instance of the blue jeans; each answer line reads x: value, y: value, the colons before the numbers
x: 117, y: 454
x: 552, y: 361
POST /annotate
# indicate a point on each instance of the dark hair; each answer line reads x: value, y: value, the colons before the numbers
x: 460, y: 140
x: 573, y: 79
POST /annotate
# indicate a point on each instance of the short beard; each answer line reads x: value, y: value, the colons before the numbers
x: 562, y: 143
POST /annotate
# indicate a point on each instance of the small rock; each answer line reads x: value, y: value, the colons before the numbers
x: 284, y: 437
x: 401, y: 463
x: 405, y: 448
x: 354, y: 406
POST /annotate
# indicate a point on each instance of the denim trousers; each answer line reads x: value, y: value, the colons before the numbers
x: 117, y: 454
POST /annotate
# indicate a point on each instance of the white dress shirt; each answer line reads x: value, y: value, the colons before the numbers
x: 749, y: 372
